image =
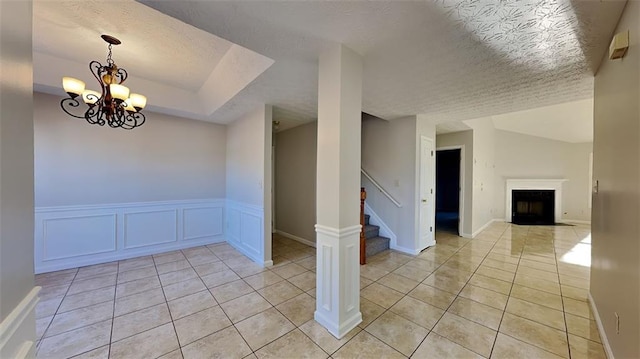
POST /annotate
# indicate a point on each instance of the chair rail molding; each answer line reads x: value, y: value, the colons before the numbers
x: 74, y: 236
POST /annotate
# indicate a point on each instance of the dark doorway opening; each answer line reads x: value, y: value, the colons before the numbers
x: 448, y: 190
x: 533, y: 207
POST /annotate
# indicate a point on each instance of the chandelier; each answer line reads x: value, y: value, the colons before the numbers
x: 113, y: 105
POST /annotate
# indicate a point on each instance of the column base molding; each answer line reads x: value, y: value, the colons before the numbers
x: 338, y: 279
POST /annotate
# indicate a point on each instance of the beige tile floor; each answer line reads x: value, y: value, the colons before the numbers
x: 512, y: 292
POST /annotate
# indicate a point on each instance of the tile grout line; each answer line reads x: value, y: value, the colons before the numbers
x: 510, y: 290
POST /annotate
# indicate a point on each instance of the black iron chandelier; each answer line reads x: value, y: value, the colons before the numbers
x: 114, y: 105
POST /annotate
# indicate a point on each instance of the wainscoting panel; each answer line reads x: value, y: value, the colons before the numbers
x: 150, y: 228
x: 245, y: 230
x: 202, y: 222
x: 73, y: 236
x: 79, y: 235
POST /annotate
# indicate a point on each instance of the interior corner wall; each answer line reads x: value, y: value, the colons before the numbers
x: 615, y: 224
x: 168, y: 158
x: 248, y: 179
x: 245, y: 158
x: 463, y: 138
x: 484, y: 152
x: 531, y: 157
x: 295, y: 187
x: 389, y: 156
x: 18, y: 295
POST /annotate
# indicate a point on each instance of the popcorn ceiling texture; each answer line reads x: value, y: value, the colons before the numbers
x: 450, y: 59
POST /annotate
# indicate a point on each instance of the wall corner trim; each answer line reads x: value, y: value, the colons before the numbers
x: 603, y: 335
x: 15, y: 336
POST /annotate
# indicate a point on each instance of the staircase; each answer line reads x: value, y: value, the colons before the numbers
x: 374, y: 243
x: 370, y: 241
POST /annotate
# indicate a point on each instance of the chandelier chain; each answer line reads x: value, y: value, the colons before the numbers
x: 109, y: 59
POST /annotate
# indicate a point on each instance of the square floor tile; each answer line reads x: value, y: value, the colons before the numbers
x: 421, y: 313
x: 477, y: 312
x: 397, y: 332
x: 246, y: 306
x: 365, y: 345
x: 75, y: 342
x: 232, y: 290
x: 323, y: 338
x: 279, y: 292
x: 78, y: 318
x: 264, y: 328
x: 190, y: 304
x: 299, y: 309
x: 226, y: 343
x: 470, y: 335
x: 140, y: 321
x: 537, y: 313
x: 183, y: 288
x: 433, y: 296
x: 438, y: 347
x: 200, y: 324
x: 292, y: 345
x: 542, y: 336
x: 150, y: 344
x: 381, y: 295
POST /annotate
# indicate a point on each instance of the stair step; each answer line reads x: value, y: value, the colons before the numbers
x: 376, y: 245
x: 371, y: 231
x: 366, y: 219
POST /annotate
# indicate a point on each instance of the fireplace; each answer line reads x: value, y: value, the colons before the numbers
x: 533, y: 207
x: 552, y: 184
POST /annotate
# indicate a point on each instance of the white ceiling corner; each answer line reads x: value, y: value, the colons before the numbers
x: 569, y: 122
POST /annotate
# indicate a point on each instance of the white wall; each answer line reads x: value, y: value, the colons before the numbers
x: 530, y: 157
x: 248, y: 179
x: 463, y: 138
x: 484, y: 150
x: 17, y: 294
x: 615, y: 243
x: 295, y: 187
x: 389, y: 156
x: 168, y: 158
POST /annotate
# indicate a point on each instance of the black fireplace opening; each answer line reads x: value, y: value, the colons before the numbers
x: 533, y: 207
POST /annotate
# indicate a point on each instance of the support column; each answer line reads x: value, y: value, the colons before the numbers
x: 338, y: 190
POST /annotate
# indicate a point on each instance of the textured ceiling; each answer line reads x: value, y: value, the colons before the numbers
x: 154, y: 46
x: 182, y: 70
x: 450, y: 59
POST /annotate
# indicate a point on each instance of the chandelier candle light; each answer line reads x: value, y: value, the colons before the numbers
x: 113, y: 105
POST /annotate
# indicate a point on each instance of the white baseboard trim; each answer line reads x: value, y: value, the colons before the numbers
x: 413, y: 252
x: 296, y: 238
x: 17, y: 330
x: 483, y: 227
x: 578, y: 221
x: 603, y: 335
x: 385, y: 231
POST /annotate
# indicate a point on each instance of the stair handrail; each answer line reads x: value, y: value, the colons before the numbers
x: 379, y: 187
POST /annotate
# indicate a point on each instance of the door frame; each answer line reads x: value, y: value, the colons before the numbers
x: 430, y: 172
x: 461, y: 205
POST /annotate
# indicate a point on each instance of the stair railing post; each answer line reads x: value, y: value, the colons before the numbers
x: 363, y: 251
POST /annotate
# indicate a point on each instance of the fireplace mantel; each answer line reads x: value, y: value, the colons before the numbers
x: 541, y: 184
